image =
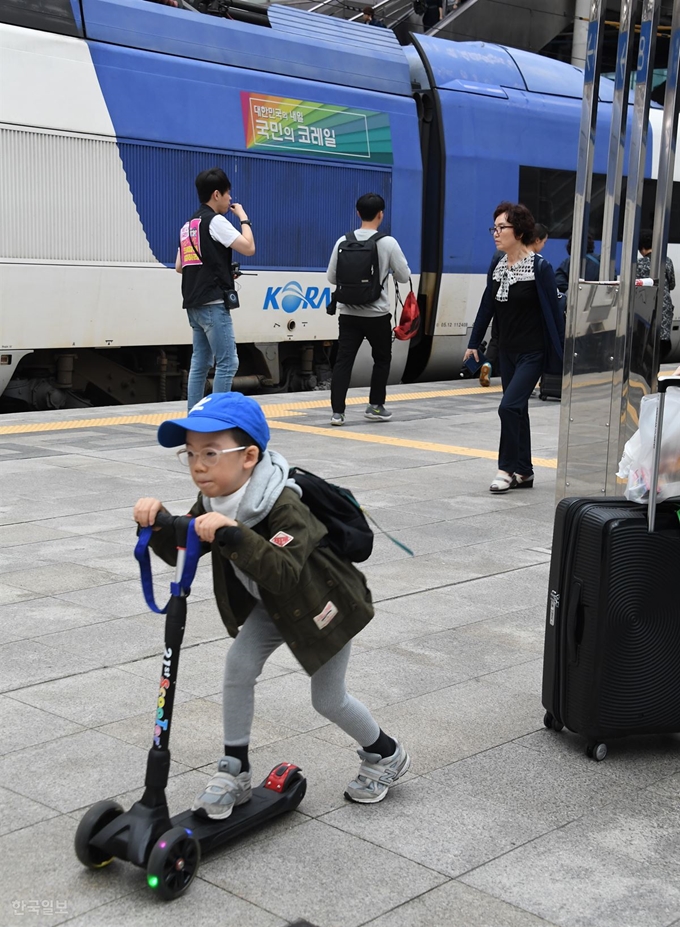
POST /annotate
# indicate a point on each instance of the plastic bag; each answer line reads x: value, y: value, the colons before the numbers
x: 636, y: 463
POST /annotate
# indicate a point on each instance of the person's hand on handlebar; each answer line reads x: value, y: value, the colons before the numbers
x: 209, y: 524
x: 145, y: 511
x: 471, y: 352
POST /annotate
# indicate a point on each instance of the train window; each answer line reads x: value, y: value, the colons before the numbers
x: 549, y: 194
x: 61, y: 16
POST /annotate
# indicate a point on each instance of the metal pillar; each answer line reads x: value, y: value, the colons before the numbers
x: 612, y: 332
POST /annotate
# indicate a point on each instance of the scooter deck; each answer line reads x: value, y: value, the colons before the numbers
x: 264, y: 805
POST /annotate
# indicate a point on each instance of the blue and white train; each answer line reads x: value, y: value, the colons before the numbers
x: 108, y: 110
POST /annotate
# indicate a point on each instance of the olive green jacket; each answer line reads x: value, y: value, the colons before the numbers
x: 317, y: 600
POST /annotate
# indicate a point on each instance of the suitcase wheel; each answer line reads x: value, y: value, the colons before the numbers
x: 552, y: 723
x: 596, y: 752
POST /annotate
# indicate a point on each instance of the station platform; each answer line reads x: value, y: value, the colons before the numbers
x: 499, y: 823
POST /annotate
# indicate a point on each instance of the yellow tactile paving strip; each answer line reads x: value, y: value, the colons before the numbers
x: 275, y: 412
x: 393, y: 441
x: 271, y: 411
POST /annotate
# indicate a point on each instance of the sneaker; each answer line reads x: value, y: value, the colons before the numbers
x: 377, y: 414
x: 337, y: 418
x: 228, y: 788
x: 485, y: 375
x: 376, y: 775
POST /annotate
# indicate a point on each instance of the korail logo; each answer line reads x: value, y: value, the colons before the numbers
x: 291, y: 296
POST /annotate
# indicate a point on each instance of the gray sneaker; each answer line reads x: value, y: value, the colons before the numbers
x: 377, y: 414
x: 228, y: 788
x: 376, y: 775
x: 337, y: 418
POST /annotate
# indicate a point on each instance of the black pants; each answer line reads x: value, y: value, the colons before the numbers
x: 353, y: 329
x: 492, y: 348
x: 519, y: 374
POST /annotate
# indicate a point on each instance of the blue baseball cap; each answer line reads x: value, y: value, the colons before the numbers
x: 218, y: 412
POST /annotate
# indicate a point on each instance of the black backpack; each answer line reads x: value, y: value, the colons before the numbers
x: 349, y: 534
x: 358, y: 270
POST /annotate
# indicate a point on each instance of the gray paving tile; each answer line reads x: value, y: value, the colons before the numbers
x: 643, y: 760
x: 308, y: 886
x: 106, y: 518
x: 21, y: 621
x: 448, y: 828
x: 619, y: 863
x: 449, y: 724
x: 414, y: 667
x: 111, y: 642
x: 389, y: 627
x: 457, y: 905
x: 11, y: 594
x: 59, y: 577
x: 27, y: 533
x: 22, y: 726
x: 76, y: 770
x: 518, y: 778
x: 69, y: 548
x: 59, y: 877
x: 79, y: 698
x: 26, y: 663
x: 16, y: 811
x: 180, y: 793
x: 197, y: 737
x: 205, y: 901
x: 124, y: 599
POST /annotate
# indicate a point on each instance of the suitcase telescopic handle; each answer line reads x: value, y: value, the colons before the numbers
x: 668, y: 381
x: 656, y: 450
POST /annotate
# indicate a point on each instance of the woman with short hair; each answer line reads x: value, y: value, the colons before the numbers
x: 521, y: 295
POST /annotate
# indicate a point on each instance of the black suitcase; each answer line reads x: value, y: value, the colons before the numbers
x: 612, y: 638
x: 550, y: 386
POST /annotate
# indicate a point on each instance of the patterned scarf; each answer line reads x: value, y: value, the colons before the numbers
x: 506, y: 276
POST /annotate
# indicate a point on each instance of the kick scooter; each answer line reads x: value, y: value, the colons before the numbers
x: 170, y: 848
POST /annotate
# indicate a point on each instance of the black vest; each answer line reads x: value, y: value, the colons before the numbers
x: 206, y: 264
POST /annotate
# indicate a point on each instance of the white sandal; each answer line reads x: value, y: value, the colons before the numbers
x: 501, y: 482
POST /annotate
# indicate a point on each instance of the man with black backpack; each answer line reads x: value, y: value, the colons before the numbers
x: 359, y: 267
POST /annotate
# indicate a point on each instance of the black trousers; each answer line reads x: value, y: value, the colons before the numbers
x: 353, y: 329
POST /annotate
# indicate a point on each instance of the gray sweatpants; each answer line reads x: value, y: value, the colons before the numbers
x: 257, y: 639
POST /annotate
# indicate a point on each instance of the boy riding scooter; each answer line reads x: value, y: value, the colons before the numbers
x: 276, y: 581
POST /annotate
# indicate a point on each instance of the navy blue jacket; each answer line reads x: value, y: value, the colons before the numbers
x: 553, y: 315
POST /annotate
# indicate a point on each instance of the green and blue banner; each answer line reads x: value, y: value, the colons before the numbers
x: 318, y: 129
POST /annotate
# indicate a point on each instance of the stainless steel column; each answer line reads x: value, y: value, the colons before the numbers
x: 612, y: 331
x: 632, y: 361
x: 617, y: 139
x: 579, y: 238
x: 664, y: 187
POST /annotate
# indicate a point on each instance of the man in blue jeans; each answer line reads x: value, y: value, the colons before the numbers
x: 204, y: 261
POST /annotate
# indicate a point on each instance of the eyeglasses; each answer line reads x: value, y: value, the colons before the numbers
x: 208, y: 456
x: 497, y: 229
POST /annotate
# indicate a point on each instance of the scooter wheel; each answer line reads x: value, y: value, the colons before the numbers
x: 173, y: 863
x: 91, y: 823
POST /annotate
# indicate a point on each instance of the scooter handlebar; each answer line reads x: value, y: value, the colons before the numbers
x: 180, y: 523
x: 165, y: 520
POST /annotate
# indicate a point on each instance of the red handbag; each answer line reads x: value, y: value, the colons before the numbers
x: 409, y: 323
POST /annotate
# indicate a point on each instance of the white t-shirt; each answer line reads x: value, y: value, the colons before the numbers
x: 390, y: 260
x: 223, y: 231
